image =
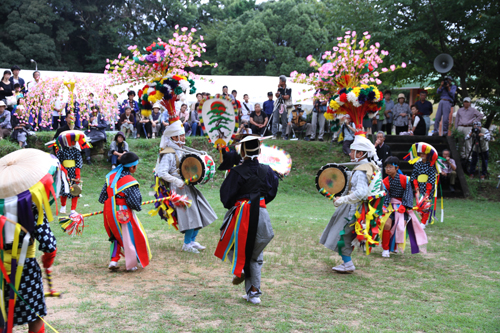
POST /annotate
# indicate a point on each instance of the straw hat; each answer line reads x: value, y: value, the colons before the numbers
x: 402, y: 96
x: 22, y: 169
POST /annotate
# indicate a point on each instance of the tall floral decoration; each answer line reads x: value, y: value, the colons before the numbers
x: 348, y: 77
x: 162, y: 68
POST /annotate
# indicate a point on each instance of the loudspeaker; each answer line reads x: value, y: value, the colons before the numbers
x: 443, y: 63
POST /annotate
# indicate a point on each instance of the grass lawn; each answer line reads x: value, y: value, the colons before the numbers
x: 454, y: 287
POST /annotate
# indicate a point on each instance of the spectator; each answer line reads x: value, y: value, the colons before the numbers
x: 184, y: 118
x: 389, y: 113
x: 297, y: 122
x: 238, y: 104
x: 244, y: 129
x: 144, y: 126
x: 318, y: 116
x: 246, y: 109
x: 196, y: 104
x: 418, y: 126
x: 381, y: 120
x: 16, y: 79
x: 466, y: 116
x: 401, y: 115
x: 258, y: 120
x: 118, y: 147
x: 225, y: 93
x: 36, y: 80
x: 195, y: 122
x: 20, y: 124
x: 96, y: 126
x: 268, y: 105
x: 7, y: 88
x: 126, y: 122
x: 17, y: 91
x: 58, y: 112
x: 134, y: 106
x: 480, y: 137
x: 5, y: 125
x: 383, y: 150
x: 347, y: 131
x: 425, y: 109
x: 449, y: 174
x: 165, y: 120
x: 155, y: 119
x: 446, y: 91
x: 178, y: 104
x: 285, y: 94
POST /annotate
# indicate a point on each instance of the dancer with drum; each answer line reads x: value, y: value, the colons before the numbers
x: 247, y: 229
x: 168, y: 174
x: 340, y: 235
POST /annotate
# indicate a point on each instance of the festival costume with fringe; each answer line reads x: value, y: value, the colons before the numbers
x: 120, y: 197
x: 247, y: 229
x: 398, y: 206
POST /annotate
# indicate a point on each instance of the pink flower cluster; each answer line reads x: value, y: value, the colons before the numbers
x: 180, y: 52
x: 351, y: 63
x: 42, y: 98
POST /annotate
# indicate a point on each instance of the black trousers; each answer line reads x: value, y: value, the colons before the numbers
x: 144, y: 129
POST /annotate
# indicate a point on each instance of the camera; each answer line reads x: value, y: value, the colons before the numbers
x: 446, y: 83
x: 247, y: 126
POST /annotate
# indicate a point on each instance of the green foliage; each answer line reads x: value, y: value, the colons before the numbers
x: 7, y: 147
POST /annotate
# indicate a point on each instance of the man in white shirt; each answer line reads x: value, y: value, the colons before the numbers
x: 58, y: 113
x: 246, y: 109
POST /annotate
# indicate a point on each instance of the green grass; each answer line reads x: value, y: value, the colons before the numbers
x: 455, y: 287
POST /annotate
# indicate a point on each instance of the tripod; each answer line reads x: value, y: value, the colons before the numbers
x: 277, y: 106
x: 475, y: 141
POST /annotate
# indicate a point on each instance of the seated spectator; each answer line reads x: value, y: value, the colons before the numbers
x: 6, y: 88
x: 346, y: 133
x: 96, y: 126
x: 155, y: 119
x: 401, y: 114
x: 480, y: 137
x: 126, y: 122
x: 164, y: 119
x: 383, y: 149
x: 417, y: 121
x: 118, y: 147
x: 144, y: 126
x: 246, y: 109
x: 244, y: 129
x: 5, y: 125
x: 184, y: 118
x: 268, y: 106
x: 58, y: 112
x: 133, y: 105
x: 20, y: 123
x: 15, y: 79
x: 258, y: 120
x: 195, y: 121
x: 297, y: 122
x: 449, y: 174
x: 425, y: 108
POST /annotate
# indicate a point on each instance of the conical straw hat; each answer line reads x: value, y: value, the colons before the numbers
x: 22, y: 169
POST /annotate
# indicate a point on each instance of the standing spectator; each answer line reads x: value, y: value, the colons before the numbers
x: 134, y: 106
x: 17, y: 90
x: 258, y: 120
x: 383, y: 149
x: 425, y: 109
x: 6, y: 87
x: 16, y: 79
x: 36, y: 80
x: 285, y: 94
x: 5, y: 125
x: 155, y: 119
x: 466, y: 116
x: 246, y: 109
x: 195, y: 122
x: 126, y: 122
x: 144, y: 126
x: 268, y: 105
x: 96, y: 126
x: 446, y: 91
x: 297, y: 120
x: 381, y: 120
x: 449, y: 174
x: 58, y: 112
x: 480, y: 137
x: 225, y: 93
x: 401, y: 115
x: 118, y: 147
x: 389, y: 113
x: 318, y: 116
x: 165, y: 120
x: 418, y: 123
x: 178, y: 104
x: 19, y: 122
x: 184, y: 118
x: 238, y: 104
x: 347, y: 131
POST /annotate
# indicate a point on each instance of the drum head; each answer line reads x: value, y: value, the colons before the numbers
x: 192, y: 168
x: 333, y: 178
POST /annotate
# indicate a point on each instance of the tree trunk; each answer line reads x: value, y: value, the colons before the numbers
x: 491, y: 115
